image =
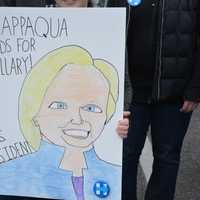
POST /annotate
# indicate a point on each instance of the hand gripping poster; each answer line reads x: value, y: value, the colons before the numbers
x: 61, y: 84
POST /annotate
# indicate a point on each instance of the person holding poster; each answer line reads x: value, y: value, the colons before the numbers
x: 164, y: 69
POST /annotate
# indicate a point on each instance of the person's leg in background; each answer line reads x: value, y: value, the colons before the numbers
x: 168, y: 128
x: 132, y: 148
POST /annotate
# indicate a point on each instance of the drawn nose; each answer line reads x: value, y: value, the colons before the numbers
x: 77, y: 118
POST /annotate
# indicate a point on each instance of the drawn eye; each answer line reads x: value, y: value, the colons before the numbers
x: 58, y: 105
x: 92, y: 108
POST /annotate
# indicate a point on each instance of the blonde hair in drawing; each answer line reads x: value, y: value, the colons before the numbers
x: 42, y: 74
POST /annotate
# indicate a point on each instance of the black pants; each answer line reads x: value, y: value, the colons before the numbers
x: 168, y: 128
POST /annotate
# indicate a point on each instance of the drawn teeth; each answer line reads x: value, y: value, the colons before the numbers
x: 75, y: 133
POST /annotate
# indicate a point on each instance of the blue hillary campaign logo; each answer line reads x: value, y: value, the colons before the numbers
x: 101, y: 189
x: 134, y: 3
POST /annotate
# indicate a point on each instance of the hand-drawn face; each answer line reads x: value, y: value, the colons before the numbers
x: 72, y: 3
x: 73, y: 111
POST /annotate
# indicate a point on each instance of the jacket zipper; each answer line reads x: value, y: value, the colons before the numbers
x: 159, y: 46
x: 160, y: 51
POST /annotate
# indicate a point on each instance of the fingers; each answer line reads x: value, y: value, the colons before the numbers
x: 189, y: 106
x: 123, y: 125
x: 126, y: 114
x: 123, y: 135
x: 122, y: 128
x: 186, y: 107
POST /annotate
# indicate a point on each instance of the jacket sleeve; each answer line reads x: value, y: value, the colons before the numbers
x: 7, y: 3
x: 192, y: 92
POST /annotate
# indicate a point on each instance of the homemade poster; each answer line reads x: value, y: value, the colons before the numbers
x: 61, y: 84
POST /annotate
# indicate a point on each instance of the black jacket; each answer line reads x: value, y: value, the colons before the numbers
x: 163, y: 49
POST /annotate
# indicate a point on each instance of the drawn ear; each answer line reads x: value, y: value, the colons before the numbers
x: 35, y: 121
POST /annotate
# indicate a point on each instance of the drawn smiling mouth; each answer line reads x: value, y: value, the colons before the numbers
x: 77, y: 133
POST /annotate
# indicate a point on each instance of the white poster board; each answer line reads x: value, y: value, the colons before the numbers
x: 61, y: 83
